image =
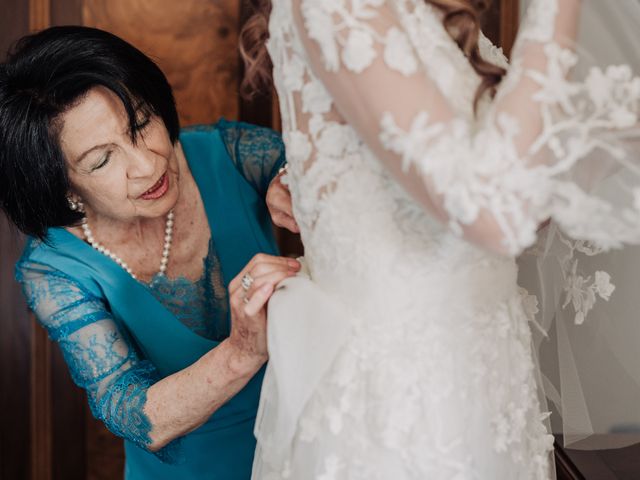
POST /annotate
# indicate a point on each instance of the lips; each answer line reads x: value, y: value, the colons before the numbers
x: 158, y: 189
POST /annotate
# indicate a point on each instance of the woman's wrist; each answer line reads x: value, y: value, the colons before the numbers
x: 242, y: 362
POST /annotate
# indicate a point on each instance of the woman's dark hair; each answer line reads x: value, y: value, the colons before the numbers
x: 46, y: 74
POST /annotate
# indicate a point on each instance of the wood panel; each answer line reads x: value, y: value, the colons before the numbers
x: 15, y: 362
x: 68, y: 427
x: 40, y: 402
x: 66, y: 12
x: 565, y: 468
x: 105, y: 451
x: 605, y: 464
x: 193, y: 41
x: 14, y: 23
x: 39, y: 14
x: 500, y: 23
x: 509, y: 21
x: 15, y: 327
x: 491, y: 22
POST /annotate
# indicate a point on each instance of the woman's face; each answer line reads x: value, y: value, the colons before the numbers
x: 114, y: 178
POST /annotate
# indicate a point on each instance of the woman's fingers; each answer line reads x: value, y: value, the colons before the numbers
x: 272, y: 278
x: 261, y: 264
x: 266, y: 282
x: 249, y: 297
x: 264, y: 259
x: 286, y: 221
x: 280, y: 206
x: 260, y: 270
x: 249, y: 292
x: 256, y: 302
x: 264, y: 268
x: 280, y: 201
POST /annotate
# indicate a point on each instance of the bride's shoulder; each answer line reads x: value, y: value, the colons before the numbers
x: 353, y: 34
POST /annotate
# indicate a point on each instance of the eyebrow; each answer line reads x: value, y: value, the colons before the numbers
x: 140, y: 107
x: 97, y: 147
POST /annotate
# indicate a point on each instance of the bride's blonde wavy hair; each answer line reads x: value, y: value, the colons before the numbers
x: 461, y: 20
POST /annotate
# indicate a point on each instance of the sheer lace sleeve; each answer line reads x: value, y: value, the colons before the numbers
x: 258, y: 152
x: 536, y: 151
x: 101, y: 359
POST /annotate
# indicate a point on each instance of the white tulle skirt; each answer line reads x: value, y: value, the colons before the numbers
x: 435, y: 393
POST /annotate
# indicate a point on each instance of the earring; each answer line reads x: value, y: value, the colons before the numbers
x: 75, y: 205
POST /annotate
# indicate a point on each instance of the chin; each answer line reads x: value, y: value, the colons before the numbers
x: 160, y: 207
x: 169, y: 200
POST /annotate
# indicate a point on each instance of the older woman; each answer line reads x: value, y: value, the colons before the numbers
x: 151, y: 256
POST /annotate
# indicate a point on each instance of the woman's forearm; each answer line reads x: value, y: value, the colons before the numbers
x: 180, y: 403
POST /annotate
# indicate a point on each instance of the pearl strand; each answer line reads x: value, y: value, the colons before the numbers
x: 166, y: 249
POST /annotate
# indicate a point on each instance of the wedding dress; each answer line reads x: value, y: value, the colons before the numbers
x: 405, y: 351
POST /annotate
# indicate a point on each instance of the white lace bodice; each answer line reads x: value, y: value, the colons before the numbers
x: 370, y: 84
x: 349, y: 207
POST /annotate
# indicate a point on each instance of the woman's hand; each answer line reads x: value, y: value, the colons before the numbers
x: 182, y: 402
x: 279, y: 204
x: 248, y: 299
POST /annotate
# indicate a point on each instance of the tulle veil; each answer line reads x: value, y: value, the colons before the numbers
x: 587, y: 326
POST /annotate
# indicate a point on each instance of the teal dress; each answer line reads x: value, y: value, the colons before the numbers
x: 120, y: 336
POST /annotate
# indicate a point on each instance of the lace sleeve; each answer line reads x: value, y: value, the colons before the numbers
x: 258, y: 152
x: 101, y: 359
x: 535, y: 152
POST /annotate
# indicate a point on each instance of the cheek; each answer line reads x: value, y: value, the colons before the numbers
x: 158, y: 141
x: 104, y: 192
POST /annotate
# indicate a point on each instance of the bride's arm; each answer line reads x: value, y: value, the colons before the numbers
x: 363, y: 54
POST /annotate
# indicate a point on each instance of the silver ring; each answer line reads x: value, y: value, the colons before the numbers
x: 247, y: 281
x: 283, y: 169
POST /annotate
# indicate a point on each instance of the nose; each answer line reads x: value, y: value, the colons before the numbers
x: 142, y: 162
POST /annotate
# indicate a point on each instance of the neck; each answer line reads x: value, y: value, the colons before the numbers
x: 134, y: 231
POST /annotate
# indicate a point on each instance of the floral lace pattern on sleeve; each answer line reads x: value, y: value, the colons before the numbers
x: 257, y: 152
x: 524, y: 159
x: 101, y: 358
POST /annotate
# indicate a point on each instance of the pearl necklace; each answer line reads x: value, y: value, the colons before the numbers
x: 168, y: 236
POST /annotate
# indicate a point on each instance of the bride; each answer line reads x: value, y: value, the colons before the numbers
x: 420, y: 165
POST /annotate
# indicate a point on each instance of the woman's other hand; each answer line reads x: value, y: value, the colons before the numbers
x: 279, y: 204
x: 249, y: 293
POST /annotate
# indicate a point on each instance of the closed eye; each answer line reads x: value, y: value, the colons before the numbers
x: 143, y: 118
x: 143, y: 123
x: 103, y: 161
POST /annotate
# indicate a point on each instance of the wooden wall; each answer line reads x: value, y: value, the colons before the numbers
x: 193, y: 41
x: 15, y: 331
